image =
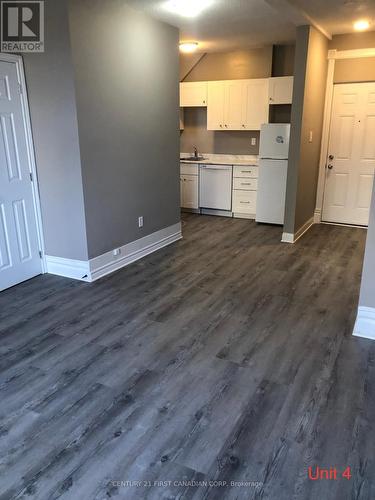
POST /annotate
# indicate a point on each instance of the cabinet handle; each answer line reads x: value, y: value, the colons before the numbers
x: 221, y: 125
x: 245, y: 202
x: 245, y: 183
x: 226, y: 126
x: 204, y: 102
x: 245, y: 171
x: 243, y: 125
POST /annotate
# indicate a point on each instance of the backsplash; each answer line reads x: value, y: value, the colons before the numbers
x: 235, y: 142
x: 210, y: 141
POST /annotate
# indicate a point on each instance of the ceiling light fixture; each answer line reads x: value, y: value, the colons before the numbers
x: 188, y: 47
x: 361, y: 25
x: 187, y: 8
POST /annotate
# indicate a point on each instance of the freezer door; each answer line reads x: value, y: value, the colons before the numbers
x: 274, y: 141
x: 271, y: 191
x: 215, y: 187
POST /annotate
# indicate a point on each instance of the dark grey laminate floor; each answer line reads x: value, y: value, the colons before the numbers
x: 227, y: 356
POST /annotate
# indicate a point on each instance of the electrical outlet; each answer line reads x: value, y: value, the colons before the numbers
x: 116, y: 252
x: 253, y: 141
x: 140, y: 221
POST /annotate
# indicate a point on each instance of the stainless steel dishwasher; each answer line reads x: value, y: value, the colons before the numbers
x: 215, y: 189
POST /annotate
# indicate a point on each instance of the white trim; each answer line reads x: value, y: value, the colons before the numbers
x: 332, y: 56
x: 13, y: 58
x: 325, y: 141
x: 69, y: 268
x: 293, y: 237
x: 93, y: 269
x: 353, y: 54
x: 365, y: 323
x: 317, y: 216
x: 287, y: 238
x: 107, y: 262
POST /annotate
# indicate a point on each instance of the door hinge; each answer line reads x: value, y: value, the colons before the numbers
x: 40, y: 254
x: 31, y: 177
x: 20, y: 87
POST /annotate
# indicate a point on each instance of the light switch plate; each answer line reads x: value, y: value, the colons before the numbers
x: 253, y: 141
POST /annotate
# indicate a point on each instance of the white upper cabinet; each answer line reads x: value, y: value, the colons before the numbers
x: 216, y: 106
x: 255, y: 107
x: 233, y: 105
x: 281, y: 90
x: 193, y: 94
x: 237, y: 104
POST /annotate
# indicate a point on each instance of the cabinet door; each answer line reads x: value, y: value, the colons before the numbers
x: 255, y: 103
x: 190, y: 191
x: 193, y: 94
x: 281, y: 90
x: 233, y: 105
x: 216, y: 105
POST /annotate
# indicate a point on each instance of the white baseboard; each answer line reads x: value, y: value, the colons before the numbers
x: 69, y: 268
x: 317, y: 216
x: 107, y: 262
x: 293, y: 237
x: 365, y: 323
x: 287, y: 238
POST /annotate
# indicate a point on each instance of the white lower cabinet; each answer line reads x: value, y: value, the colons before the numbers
x: 189, y: 187
x: 244, y: 196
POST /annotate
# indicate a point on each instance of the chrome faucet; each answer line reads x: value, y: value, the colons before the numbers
x: 195, y: 152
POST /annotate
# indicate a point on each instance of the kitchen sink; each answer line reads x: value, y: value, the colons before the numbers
x: 193, y: 158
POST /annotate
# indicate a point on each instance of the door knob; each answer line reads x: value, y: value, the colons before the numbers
x: 330, y: 166
x: 331, y: 157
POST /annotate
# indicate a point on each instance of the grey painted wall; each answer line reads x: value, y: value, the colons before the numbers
x: 367, y: 296
x: 307, y: 115
x: 283, y: 60
x: 209, y: 141
x: 50, y: 87
x: 127, y: 75
x: 251, y: 63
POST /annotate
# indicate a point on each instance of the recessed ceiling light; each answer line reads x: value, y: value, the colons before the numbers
x: 187, y: 8
x: 188, y: 46
x: 361, y: 25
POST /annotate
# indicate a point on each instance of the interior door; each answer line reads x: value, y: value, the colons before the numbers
x: 19, y: 247
x: 351, y: 155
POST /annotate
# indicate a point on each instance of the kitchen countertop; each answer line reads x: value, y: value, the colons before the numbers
x: 215, y: 159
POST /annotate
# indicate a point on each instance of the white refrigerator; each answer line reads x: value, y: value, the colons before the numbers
x: 273, y: 170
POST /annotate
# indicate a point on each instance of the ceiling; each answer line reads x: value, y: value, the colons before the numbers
x: 337, y: 16
x: 233, y: 24
x: 226, y: 24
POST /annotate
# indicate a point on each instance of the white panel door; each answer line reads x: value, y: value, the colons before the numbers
x: 19, y: 247
x: 255, y: 103
x: 351, y: 155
